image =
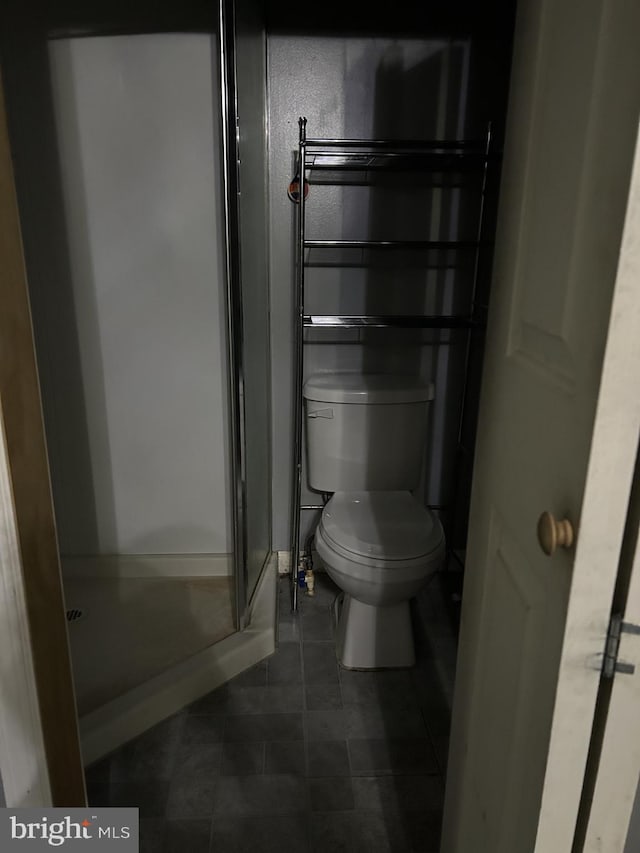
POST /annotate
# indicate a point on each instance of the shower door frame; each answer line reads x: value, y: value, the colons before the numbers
x: 222, y: 32
x: 235, y: 324
x: 235, y: 312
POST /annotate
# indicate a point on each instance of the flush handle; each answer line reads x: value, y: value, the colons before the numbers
x: 321, y: 413
x: 554, y: 534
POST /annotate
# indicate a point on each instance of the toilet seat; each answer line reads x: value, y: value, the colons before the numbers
x: 384, y: 530
x: 379, y: 548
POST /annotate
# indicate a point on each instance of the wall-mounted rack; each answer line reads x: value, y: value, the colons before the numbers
x: 360, y: 162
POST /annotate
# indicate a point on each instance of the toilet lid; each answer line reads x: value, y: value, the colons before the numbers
x: 382, y: 525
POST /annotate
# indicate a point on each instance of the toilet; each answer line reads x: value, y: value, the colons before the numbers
x: 365, y: 442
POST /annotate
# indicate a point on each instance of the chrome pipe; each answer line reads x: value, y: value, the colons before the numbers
x: 464, y: 402
x: 476, y: 273
x: 298, y: 358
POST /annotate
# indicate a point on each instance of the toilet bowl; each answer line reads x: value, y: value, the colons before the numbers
x: 366, y: 437
x: 379, y: 547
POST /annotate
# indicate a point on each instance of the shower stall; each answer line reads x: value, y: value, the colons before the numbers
x: 147, y: 276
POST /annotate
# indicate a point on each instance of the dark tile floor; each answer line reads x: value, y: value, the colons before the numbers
x: 295, y: 754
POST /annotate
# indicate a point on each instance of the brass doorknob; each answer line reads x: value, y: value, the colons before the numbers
x: 553, y: 533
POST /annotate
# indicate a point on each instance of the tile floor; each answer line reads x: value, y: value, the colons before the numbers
x: 295, y: 754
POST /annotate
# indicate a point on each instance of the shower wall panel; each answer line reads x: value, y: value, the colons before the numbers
x: 129, y: 303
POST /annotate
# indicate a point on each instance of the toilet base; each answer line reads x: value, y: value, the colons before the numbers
x: 370, y: 637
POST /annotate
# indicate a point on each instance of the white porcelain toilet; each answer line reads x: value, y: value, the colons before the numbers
x: 365, y: 440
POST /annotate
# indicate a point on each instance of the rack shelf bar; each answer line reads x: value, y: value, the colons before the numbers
x: 415, y: 145
x: 357, y: 155
x: 359, y: 264
x: 387, y: 321
x: 439, y: 245
x: 364, y: 177
x: 385, y: 162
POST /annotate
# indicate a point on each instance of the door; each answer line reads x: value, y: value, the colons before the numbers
x: 558, y: 432
x: 39, y: 746
x: 615, y: 756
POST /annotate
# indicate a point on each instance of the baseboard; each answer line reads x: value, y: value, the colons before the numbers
x: 126, y: 717
x: 147, y: 566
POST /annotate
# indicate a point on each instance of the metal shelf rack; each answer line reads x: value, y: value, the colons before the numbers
x: 360, y: 162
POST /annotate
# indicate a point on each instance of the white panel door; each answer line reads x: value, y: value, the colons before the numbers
x: 619, y: 765
x: 618, y: 769
x: 558, y: 431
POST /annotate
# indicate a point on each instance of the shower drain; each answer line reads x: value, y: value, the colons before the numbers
x: 74, y: 614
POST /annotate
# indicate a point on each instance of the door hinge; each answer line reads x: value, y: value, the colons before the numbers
x: 610, y: 662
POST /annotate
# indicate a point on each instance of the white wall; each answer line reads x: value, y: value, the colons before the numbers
x: 134, y: 356
x: 363, y: 88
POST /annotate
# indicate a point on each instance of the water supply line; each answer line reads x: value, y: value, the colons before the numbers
x: 305, y: 568
x: 307, y: 561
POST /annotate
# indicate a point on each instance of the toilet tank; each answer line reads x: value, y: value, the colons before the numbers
x: 365, y: 431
